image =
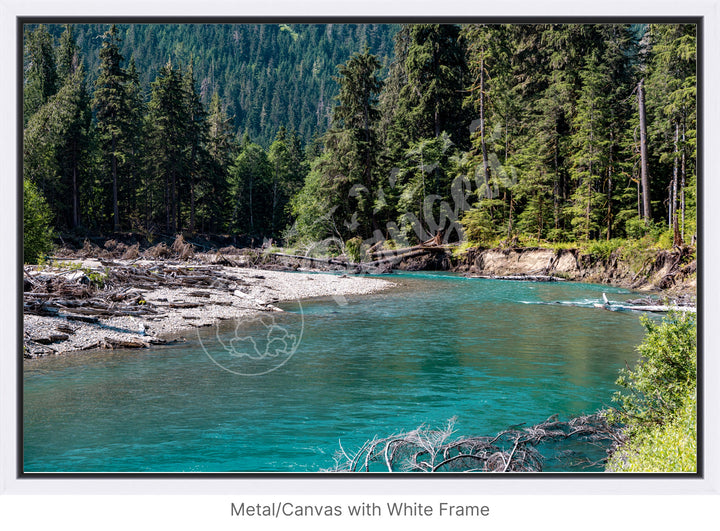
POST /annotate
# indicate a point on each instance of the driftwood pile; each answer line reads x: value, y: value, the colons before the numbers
x: 87, y: 296
x: 523, y: 278
x: 180, y: 250
x: 513, y: 450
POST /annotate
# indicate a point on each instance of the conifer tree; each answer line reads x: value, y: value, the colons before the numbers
x: 169, y: 140
x: 112, y: 114
x: 55, y: 149
x: 251, y: 191
x: 431, y: 101
x: 592, y: 147
x: 40, y: 81
x: 196, y: 130
x: 133, y: 186
x: 671, y: 94
x: 213, y: 190
x: 355, y: 120
x: 67, y: 54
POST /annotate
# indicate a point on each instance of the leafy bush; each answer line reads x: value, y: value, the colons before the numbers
x: 668, y: 448
x: 665, y: 374
x: 352, y: 246
x: 659, y: 412
x: 666, y: 239
x: 557, y: 235
x: 636, y: 228
x: 603, y: 249
x: 37, y: 231
x: 478, y: 226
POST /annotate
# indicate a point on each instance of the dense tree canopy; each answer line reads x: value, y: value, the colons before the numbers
x: 542, y: 132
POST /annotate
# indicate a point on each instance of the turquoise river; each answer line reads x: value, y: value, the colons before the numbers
x: 491, y: 353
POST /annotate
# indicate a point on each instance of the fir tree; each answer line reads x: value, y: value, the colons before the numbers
x: 112, y: 113
x: 41, y: 79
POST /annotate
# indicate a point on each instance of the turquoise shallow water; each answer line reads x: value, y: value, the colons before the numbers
x: 492, y: 353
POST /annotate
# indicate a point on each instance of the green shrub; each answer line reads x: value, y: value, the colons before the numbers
x: 353, y: 247
x: 668, y: 448
x: 557, y: 235
x: 664, y: 375
x: 659, y: 413
x: 37, y: 231
x: 478, y: 226
x: 636, y: 228
x: 666, y: 239
x: 602, y: 249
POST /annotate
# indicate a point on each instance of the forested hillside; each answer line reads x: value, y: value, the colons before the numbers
x: 494, y: 133
x: 266, y: 75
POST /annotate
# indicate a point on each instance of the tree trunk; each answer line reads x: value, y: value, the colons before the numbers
x: 674, y: 185
x: 116, y: 213
x: 682, y: 185
x: 192, y: 206
x: 76, y: 210
x: 486, y: 167
x: 644, y: 177
x: 609, y: 189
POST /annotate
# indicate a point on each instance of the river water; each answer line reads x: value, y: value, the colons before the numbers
x: 282, y: 393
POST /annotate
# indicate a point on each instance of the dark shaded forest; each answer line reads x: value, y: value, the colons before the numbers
x: 490, y: 133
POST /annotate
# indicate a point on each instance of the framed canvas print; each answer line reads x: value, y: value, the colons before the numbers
x: 323, y: 247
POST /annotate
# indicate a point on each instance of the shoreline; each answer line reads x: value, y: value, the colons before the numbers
x: 95, y: 299
x: 158, y: 315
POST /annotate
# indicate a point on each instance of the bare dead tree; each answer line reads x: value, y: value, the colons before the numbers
x: 513, y: 450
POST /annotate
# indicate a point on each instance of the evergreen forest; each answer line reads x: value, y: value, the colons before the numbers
x: 522, y: 134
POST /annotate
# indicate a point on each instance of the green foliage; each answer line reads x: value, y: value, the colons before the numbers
x: 40, y: 70
x: 97, y: 278
x: 56, y: 147
x: 251, y: 189
x: 267, y: 75
x: 671, y: 447
x: 37, y: 231
x: 636, y: 228
x: 477, y: 226
x: 603, y: 249
x: 665, y: 374
x: 353, y: 248
x: 436, y: 74
x: 523, y: 132
x: 659, y: 411
x: 312, y: 208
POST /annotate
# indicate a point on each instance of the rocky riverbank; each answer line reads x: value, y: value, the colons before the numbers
x: 118, y: 296
x: 90, y: 303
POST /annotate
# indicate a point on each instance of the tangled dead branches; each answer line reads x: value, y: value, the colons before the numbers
x: 513, y: 450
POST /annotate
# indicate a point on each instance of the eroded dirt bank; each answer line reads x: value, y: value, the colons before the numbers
x: 672, y: 272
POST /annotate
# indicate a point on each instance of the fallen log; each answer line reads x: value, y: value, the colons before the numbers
x: 49, y: 339
x: 526, y: 278
x: 81, y: 318
x: 185, y: 304
x: 330, y: 261
x: 113, y: 343
x: 376, y: 255
x: 659, y: 308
